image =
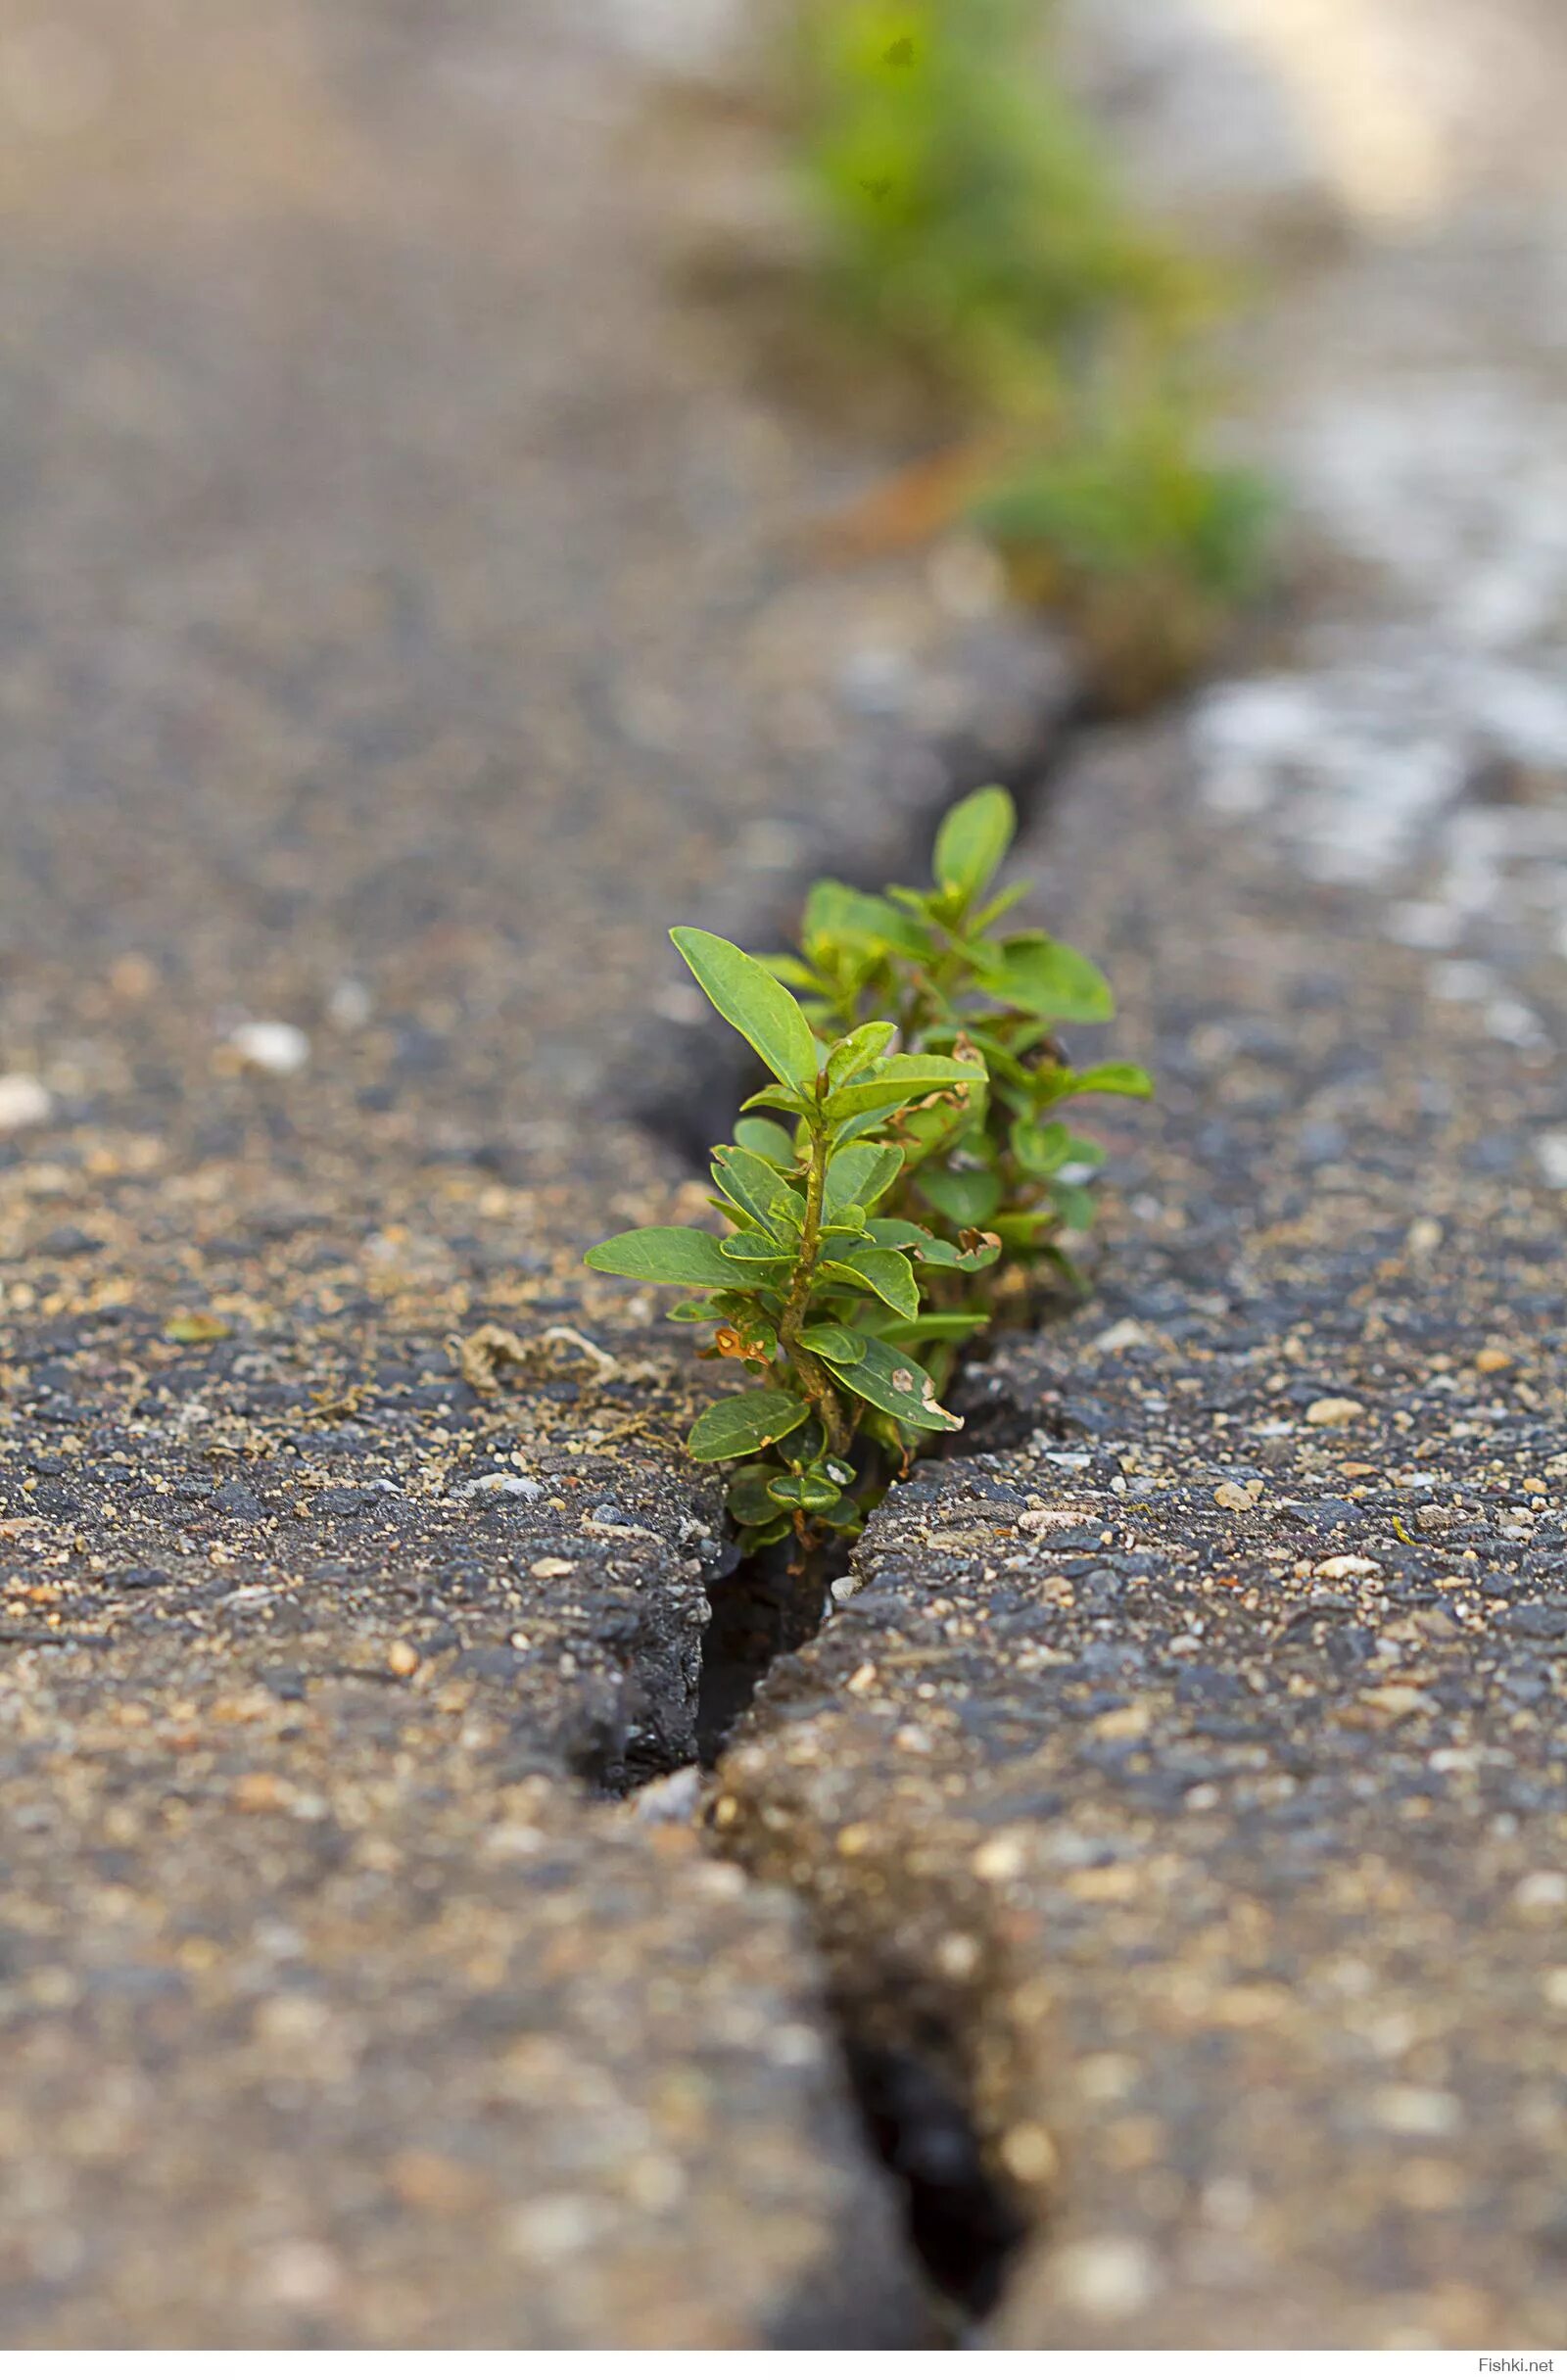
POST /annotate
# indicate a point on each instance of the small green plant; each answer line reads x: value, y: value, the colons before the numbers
x: 920, y: 1084
x: 970, y: 224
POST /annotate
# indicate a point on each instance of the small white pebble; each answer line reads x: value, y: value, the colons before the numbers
x: 501, y: 1482
x: 349, y: 1005
x: 669, y: 1801
x: 1542, y: 1894
x: 24, y: 1102
x: 1126, y: 1333
x: 1108, y: 2278
x: 270, y: 1046
x: 1550, y: 1155
x: 1416, y: 2113
x: 549, y: 2228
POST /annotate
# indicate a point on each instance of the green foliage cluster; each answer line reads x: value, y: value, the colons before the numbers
x: 910, y: 1138
x: 971, y: 221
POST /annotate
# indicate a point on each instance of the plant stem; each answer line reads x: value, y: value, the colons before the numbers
x: 816, y: 1382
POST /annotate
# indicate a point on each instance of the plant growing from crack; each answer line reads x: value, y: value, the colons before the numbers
x: 969, y: 223
x: 913, y: 1141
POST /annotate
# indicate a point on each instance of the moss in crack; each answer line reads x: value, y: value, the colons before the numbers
x: 903, y: 1174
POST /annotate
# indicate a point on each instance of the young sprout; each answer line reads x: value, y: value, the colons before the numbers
x: 908, y: 1137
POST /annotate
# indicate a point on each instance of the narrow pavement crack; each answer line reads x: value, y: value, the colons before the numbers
x: 962, y: 2225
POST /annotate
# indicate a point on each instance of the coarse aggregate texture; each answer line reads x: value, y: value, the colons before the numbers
x: 1190, y: 1773
x: 404, y: 614
x: 1182, y: 1770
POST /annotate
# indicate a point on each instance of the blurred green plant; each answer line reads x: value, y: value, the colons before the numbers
x: 921, y: 1084
x: 970, y: 221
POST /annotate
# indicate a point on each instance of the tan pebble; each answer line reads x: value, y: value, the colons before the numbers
x: 1119, y: 1882
x: 862, y: 1679
x: 260, y: 1791
x: 1331, y: 1412
x: 551, y: 1567
x: 1029, y: 2154
x: 433, y: 2184
x: 1429, y: 2185
x: 1398, y: 1701
x: 1235, y: 1499
x: 1247, y: 2004
x: 402, y: 1659
x: 1118, y: 1726
x: 855, y: 1840
x: 1040, y: 1517
x: 1553, y: 1984
x: 1347, y: 1566
x: 1536, y: 1487
x: 1492, y: 1360
x: 1358, y: 1470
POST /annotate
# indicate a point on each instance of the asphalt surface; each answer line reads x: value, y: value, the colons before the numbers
x: 405, y: 621
x: 1182, y: 1775
x: 407, y: 612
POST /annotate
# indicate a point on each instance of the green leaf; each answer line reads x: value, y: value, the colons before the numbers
x: 838, y: 913
x: 752, y: 1539
x: 907, y: 1076
x: 1041, y: 1149
x: 965, y: 1195
x: 753, y: 1248
x: 794, y: 1103
x: 791, y: 971
x: 767, y: 1140
x: 1115, y: 1079
x: 983, y: 918
x: 889, y: 1378
x: 894, y: 1231
x: 1076, y: 1206
x: 754, y: 1002
x: 665, y: 1252
x: 752, y: 1183
x: 831, y: 1339
x: 942, y: 1326
x: 744, y: 1424
x: 886, y: 1273
x: 888, y: 1232
x: 972, y: 841
x: 857, y: 1051
x: 860, y: 1174
x: 748, y: 1499
x: 1049, y: 979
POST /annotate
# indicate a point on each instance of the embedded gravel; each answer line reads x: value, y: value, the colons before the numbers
x: 405, y: 617
x: 1186, y: 1776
